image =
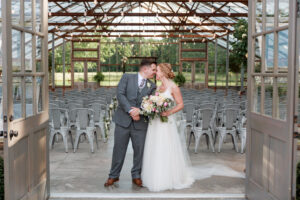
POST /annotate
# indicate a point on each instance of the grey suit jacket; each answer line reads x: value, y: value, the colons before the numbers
x: 128, y: 96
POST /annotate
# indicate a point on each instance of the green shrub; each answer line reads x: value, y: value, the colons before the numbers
x: 1, y: 178
x: 179, y: 79
x: 99, y: 77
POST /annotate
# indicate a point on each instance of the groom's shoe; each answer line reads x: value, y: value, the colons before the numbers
x: 137, y: 181
x: 110, y: 181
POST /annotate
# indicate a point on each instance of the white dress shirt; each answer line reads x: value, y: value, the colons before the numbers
x: 140, y: 79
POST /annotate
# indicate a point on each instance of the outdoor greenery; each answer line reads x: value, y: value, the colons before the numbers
x: 238, y: 56
x: 179, y: 79
x: 112, y: 53
x: 99, y: 77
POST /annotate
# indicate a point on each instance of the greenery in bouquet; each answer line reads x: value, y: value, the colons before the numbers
x: 154, y: 105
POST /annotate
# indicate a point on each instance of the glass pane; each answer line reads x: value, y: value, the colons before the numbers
x: 39, y: 94
x: 270, y: 7
x: 258, y: 10
x: 16, y: 51
x: 28, y: 14
x: 283, y: 49
x: 269, y: 53
x: 15, y: 11
x: 38, y: 57
x: 38, y: 7
x: 281, y: 101
x: 268, y: 103
x: 28, y: 52
x: 257, y: 94
x: 283, y: 12
x: 29, y: 96
x: 258, y: 53
x: 17, y: 97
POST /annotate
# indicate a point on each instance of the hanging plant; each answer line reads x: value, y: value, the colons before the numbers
x: 99, y: 77
x: 240, y: 44
x: 179, y: 79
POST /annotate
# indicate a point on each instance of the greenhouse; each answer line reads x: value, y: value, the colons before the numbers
x: 77, y: 78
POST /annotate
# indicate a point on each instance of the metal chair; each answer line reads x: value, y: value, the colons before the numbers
x: 202, y: 127
x: 84, y: 118
x: 58, y: 127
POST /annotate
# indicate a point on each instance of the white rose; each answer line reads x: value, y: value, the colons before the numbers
x: 244, y: 35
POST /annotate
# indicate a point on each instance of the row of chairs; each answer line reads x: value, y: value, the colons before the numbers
x: 215, y: 115
x: 87, y: 113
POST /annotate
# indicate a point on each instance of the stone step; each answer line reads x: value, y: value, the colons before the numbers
x: 144, y: 196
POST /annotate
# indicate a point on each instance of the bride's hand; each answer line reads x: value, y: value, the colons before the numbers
x: 166, y: 113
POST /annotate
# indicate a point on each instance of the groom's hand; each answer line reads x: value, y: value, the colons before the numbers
x: 136, y: 118
x: 134, y: 111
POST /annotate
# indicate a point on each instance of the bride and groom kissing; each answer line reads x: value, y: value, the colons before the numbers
x: 160, y: 161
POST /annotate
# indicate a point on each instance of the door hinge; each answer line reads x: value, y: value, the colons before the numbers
x: 3, y: 134
x: 5, y: 119
x: 298, y: 8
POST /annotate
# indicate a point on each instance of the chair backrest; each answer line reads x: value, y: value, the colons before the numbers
x: 96, y: 107
x: 55, y: 117
x: 206, y: 114
x: 189, y: 109
x: 231, y: 117
x: 82, y: 114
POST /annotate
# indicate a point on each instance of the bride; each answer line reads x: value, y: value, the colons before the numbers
x: 166, y: 163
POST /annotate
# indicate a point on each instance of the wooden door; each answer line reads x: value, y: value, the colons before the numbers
x: 272, y: 90
x: 25, y: 98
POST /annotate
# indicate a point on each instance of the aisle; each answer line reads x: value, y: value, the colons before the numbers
x: 84, y: 173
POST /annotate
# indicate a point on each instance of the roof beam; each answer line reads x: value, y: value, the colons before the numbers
x: 134, y: 1
x: 137, y: 24
x: 110, y: 14
x: 140, y: 31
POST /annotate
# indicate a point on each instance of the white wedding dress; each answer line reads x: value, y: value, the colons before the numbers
x: 166, y: 163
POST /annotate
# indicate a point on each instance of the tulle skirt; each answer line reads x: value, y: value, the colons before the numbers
x: 166, y: 163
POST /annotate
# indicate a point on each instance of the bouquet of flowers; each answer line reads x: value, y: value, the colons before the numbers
x: 152, y: 106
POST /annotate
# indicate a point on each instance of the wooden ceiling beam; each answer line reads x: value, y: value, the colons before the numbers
x: 134, y: 1
x: 110, y: 14
x: 140, y: 31
x: 137, y: 24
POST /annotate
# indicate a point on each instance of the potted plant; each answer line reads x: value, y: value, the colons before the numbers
x: 99, y: 77
x: 179, y: 79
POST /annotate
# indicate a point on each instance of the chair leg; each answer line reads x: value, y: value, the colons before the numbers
x: 206, y: 138
x: 71, y: 138
x: 235, y: 142
x: 211, y: 142
x: 65, y: 139
x: 96, y: 138
x: 90, y: 137
x: 221, y: 138
x: 197, y: 141
x: 76, y: 141
x: 190, y: 138
x: 51, y: 139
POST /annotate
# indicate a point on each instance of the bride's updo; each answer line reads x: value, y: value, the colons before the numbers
x: 166, y: 69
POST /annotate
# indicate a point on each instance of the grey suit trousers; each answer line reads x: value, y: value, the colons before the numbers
x: 121, y: 139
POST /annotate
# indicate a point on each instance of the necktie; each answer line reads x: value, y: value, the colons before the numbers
x: 142, y: 83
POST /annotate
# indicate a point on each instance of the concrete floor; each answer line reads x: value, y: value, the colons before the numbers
x: 82, y: 174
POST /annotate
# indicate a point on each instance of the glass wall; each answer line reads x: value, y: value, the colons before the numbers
x: 269, y: 70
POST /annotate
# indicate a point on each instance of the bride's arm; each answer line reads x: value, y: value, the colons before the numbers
x: 178, y: 99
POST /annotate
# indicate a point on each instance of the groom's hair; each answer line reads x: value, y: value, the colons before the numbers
x: 145, y: 63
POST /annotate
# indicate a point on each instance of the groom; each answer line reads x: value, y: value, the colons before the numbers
x: 129, y: 123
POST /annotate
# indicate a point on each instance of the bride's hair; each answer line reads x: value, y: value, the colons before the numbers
x: 166, y: 68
